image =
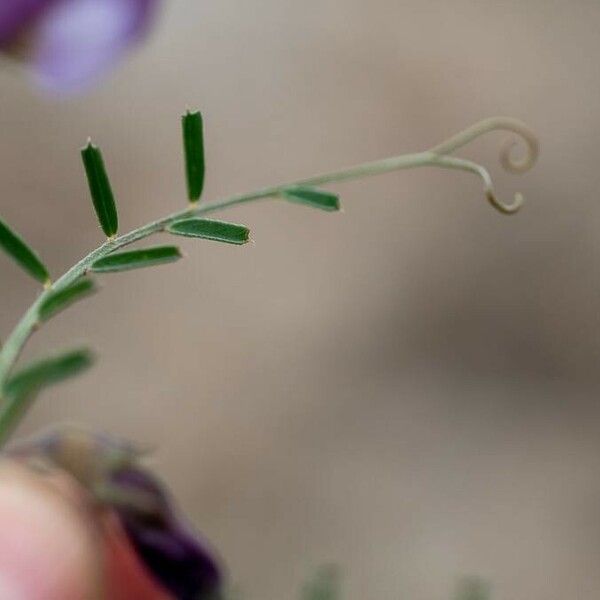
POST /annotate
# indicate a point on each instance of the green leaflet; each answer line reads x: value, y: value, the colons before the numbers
x: 48, y: 371
x: 62, y: 298
x: 207, y: 229
x: 21, y: 253
x: 193, y: 148
x: 473, y: 588
x: 102, y: 196
x: 136, y: 259
x: 312, y: 197
x: 324, y: 586
x: 21, y: 389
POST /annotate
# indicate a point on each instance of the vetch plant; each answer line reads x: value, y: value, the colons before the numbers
x: 110, y: 470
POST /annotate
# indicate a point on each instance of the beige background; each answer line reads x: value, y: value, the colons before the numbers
x: 410, y: 388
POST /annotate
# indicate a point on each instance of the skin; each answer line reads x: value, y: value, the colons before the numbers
x: 55, y: 546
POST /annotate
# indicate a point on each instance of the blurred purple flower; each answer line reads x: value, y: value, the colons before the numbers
x: 69, y: 43
x: 174, y: 555
x: 168, y: 548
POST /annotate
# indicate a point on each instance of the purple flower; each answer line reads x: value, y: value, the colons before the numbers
x: 168, y: 548
x: 172, y: 553
x: 68, y: 43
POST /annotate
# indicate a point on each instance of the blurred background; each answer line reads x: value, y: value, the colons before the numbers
x: 409, y: 389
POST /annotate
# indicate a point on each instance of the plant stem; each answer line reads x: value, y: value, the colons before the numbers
x: 438, y: 157
x: 30, y: 321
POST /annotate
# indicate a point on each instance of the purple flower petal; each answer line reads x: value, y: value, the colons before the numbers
x: 176, y: 557
x: 107, y: 467
x: 16, y: 15
x: 77, y: 40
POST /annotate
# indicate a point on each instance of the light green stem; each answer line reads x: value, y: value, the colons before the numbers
x: 437, y: 157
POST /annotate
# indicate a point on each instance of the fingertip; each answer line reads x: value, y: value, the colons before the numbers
x: 48, y: 550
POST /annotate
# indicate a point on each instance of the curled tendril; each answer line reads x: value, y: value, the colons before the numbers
x: 450, y: 162
x: 507, y: 159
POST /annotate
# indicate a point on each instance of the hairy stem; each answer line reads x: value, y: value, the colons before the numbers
x: 436, y: 157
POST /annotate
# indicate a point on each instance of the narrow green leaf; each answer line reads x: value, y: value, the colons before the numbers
x: 99, y: 184
x: 20, y: 391
x: 48, y: 371
x: 324, y: 586
x: 193, y: 147
x: 207, y: 229
x: 312, y: 197
x: 21, y: 253
x: 136, y: 259
x: 473, y: 588
x: 12, y: 410
x: 62, y: 298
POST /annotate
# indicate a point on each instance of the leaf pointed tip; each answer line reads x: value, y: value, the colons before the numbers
x: 191, y: 113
